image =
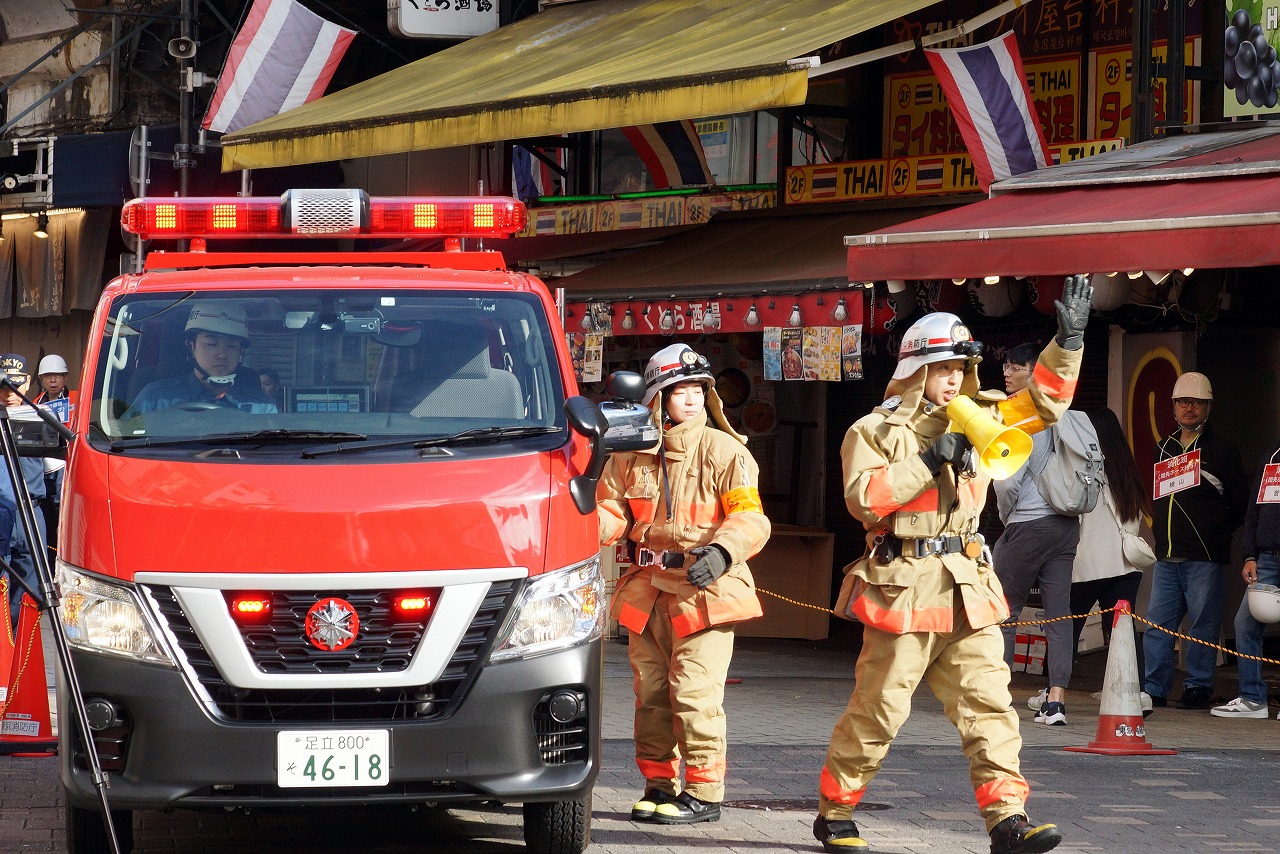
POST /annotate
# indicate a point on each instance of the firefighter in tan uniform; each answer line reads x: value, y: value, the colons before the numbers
x: 925, y: 591
x: 691, y: 508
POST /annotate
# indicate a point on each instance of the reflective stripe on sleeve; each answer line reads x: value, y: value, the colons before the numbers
x: 1052, y: 384
x: 880, y: 493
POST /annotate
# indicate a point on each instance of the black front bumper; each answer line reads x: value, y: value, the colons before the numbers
x: 178, y: 754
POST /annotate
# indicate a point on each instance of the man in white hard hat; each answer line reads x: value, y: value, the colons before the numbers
x: 1200, y: 500
x: 925, y: 591
x: 216, y: 336
x: 54, y: 394
x: 691, y: 510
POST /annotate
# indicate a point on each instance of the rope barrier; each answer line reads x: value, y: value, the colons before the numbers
x: 1099, y: 612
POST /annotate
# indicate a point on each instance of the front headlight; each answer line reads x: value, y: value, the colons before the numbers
x: 106, y: 616
x: 558, y: 610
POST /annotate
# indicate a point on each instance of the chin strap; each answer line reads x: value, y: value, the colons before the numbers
x: 205, y: 377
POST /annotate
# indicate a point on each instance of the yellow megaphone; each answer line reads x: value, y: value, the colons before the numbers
x: 1001, y: 450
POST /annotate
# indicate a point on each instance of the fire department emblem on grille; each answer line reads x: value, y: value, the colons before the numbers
x: 332, y: 624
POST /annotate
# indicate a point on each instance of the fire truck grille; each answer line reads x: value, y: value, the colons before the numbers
x: 386, y: 651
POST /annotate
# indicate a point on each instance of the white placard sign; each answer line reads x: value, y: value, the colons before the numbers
x: 442, y: 19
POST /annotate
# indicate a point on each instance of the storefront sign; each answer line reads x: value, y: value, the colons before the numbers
x: 656, y: 212
x: 909, y: 176
x: 698, y: 316
x: 918, y: 120
x: 1249, y: 62
x: 1110, y: 95
x: 1177, y: 473
x: 442, y: 19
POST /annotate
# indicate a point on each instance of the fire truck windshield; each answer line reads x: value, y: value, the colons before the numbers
x: 266, y: 369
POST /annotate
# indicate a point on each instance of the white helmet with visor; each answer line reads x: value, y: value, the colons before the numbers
x: 936, y: 337
x: 675, y: 364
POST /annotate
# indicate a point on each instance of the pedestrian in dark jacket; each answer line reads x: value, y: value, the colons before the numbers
x: 1261, y: 566
x: 1199, y: 502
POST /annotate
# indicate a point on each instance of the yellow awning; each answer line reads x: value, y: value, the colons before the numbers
x: 574, y: 67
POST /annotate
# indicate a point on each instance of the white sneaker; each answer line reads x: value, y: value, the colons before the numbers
x: 1052, y: 714
x: 1038, y: 700
x: 1144, y: 700
x: 1241, y: 708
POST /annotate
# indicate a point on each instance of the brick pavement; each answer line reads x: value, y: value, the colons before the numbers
x: 1216, y: 795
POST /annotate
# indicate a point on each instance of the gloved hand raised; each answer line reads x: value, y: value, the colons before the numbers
x: 950, y: 448
x: 1073, y: 312
x: 711, y: 563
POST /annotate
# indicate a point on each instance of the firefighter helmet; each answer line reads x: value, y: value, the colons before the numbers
x: 935, y: 337
x: 675, y: 364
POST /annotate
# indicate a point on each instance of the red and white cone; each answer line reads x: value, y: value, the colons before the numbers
x: 25, y: 728
x: 6, y: 641
x: 1121, y: 730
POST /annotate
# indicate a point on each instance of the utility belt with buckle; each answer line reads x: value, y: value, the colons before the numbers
x: 888, y: 547
x: 664, y: 559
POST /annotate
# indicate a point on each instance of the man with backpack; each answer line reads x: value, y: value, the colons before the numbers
x: 1200, y: 499
x: 1040, y: 507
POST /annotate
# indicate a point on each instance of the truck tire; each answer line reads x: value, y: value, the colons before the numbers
x: 558, y: 827
x: 86, y: 833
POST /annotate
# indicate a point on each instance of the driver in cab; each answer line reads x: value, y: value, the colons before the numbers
x: 216, y: 337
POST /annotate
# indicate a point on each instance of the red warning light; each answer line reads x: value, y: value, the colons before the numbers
x: 413, y: 605
x: 249, y: 609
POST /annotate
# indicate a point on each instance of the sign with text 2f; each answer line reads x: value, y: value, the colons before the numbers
x: 442, y: 19
x: 918, y: 120
x: 1250, y: 66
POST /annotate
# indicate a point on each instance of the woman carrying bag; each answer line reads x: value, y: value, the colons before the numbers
x: 1115, y: 539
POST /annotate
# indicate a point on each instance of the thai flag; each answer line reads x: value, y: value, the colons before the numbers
x: 672, y: 152
x: 283, y: 57
x: 532, y: 176
x: 987, y: 91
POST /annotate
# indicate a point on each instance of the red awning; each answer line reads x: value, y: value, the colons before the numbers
x: 1204, y: 222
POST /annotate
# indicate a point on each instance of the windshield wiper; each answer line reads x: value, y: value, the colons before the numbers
x: 478, y: 434
x: 256, y: 437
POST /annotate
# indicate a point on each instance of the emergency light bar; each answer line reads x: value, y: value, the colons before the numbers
x: 324, y: 213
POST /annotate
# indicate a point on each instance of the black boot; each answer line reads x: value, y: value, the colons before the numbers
x: 686, y: 809
x: 839, y: 837
x: 1016, y: 835
x: 648, y: 804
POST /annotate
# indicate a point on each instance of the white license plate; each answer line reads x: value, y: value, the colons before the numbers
x: 333, y: 757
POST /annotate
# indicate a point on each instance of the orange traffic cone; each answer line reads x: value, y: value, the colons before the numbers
x: 1121, y: 731
x: 25, y: 728
x: 6, y: 640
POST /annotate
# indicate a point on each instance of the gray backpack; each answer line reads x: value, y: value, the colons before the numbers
x: 1073, y: 478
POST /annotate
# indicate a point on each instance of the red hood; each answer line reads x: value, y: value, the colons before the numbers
x: 200, y: 517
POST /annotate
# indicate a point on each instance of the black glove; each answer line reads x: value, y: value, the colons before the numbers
x: 950, y: 448
x: 711, y: 563
x: 1073, y: 312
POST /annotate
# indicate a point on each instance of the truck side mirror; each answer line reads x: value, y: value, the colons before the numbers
x: 615, y: 426
x: 585, y: 418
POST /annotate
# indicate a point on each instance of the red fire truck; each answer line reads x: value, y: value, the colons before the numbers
x: 378, y: 585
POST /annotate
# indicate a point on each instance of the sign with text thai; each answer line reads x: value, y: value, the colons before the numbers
x: 908, y: 176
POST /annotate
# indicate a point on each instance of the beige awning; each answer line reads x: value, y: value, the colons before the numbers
x: 574, y: 67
